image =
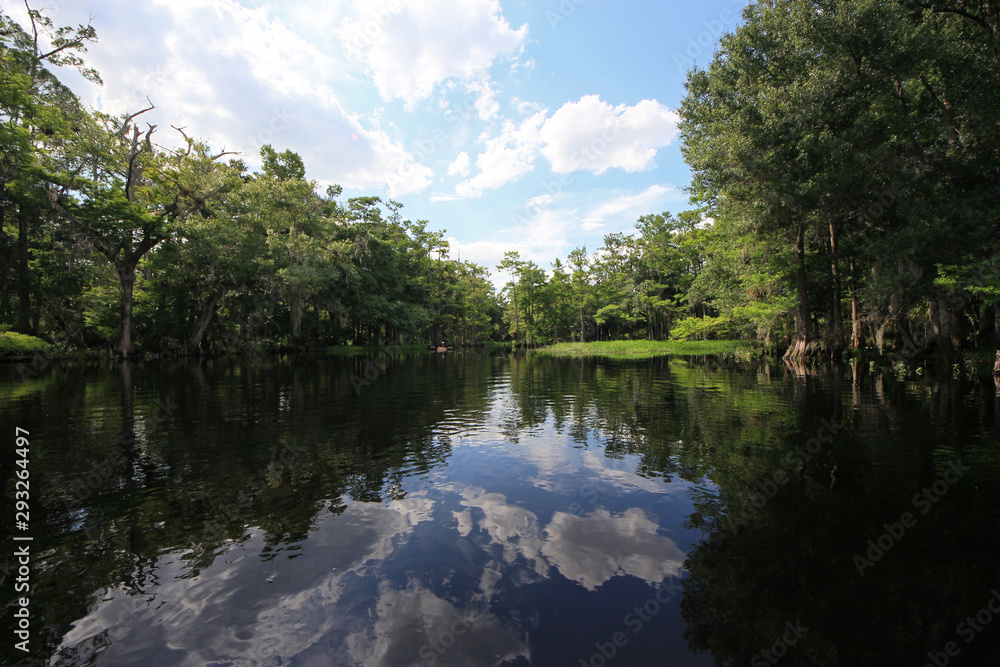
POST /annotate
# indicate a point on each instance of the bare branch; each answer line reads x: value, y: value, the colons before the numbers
x: 149, y: 143
x: 34, y: 27
x: 130, y: 118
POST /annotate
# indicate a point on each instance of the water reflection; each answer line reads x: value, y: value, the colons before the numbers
x: 477, y: 510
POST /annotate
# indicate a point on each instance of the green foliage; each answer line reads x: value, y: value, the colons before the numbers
x: 840, y: 173
x: 700, y: 327
x: 13, y: 343
x: 844, y: 177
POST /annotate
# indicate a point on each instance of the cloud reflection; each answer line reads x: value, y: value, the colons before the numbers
x: 589, y: 550
x: 415, y: 626
x: 592, y: 549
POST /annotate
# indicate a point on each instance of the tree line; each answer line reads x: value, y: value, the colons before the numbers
x: 846, y: 193
x: 845, y: 161
x: 106, y: 237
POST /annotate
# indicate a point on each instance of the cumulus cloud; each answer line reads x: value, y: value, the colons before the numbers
x: 486, y: 105
x: 411, y: 47
x: 514, y: 528
x: 297, y: 612
x: 460, y: 165
x: 240, y: 78
x: 587, y: 135
x: 506, y: 157
x: 592, y: 135
x: 592, y: 549
x: 413, y: 625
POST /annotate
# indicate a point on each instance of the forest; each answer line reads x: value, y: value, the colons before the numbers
x: 845, y: 199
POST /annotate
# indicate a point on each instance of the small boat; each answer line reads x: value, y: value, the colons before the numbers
x: 442, y: 349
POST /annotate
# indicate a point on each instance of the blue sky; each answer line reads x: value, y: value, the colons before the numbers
x: 513, y: 125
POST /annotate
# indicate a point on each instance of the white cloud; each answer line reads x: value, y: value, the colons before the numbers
x: 540, y: 238
x: 592, y: 549
x: 438, y: 198
x: 540, y: 200
x: 412, y: 47
x: 514, y: 528
x: 588, y: 549
x: 298, y: 611
x: 516, y: 66
x: 239, y: 78
x: 594, y: 136
x: 523, y: 106
x: 486, y: 104
x: 588, y: 135
x: 632, y: 205
x: 410, y: 624
x: 506, y: 157
x: 460, y: 165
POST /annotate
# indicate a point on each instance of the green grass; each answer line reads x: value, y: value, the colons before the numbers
x: 12, y: 343
x: 640, y: 349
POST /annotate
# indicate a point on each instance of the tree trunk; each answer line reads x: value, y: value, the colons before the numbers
x: 837, y: 331
x: 206, y: 318
x: 23, y: 274
x: 802, y: 344
x: 855, y: 314
x: 126, y: 276
x: 517, y: 321
x: 996, y: 323
x: 295, y: 314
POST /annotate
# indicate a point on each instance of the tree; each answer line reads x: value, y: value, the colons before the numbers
x: 579, y: 262
x: 36, y: 117
x: 135, y: 197
x: 513, y: 264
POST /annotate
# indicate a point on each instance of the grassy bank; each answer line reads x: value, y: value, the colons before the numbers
x: 15, y: 345
x: 640, y: 349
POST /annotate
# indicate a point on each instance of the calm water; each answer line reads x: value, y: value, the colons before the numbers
x: 468, y: 509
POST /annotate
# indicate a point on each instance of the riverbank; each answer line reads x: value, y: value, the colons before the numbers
x: 642, y: 349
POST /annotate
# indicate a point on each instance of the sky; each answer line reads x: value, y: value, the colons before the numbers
x: 534, y: 126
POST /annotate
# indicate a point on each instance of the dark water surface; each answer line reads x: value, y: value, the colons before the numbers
x: 468, y: 509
